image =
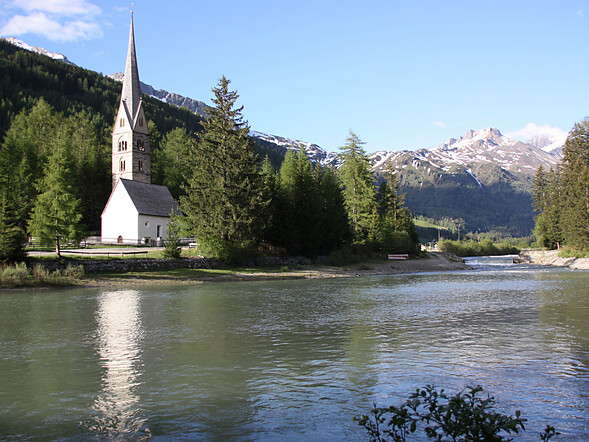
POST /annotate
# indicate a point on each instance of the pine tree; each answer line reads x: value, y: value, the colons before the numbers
x: 12, y: 236
x: 335, y: 227
x: 25, y: 149
x: 548, y: 202
x: 172, y: 160
x: 272, y: 217
x: 575, y: 183
x: 358, y: 184
x: 223, y: 198
x: 301, y: 223
x: 56, y: 215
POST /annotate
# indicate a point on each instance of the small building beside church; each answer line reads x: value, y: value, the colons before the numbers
x: 137, y: 211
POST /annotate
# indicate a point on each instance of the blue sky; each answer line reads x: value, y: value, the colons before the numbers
x: 400, y: 74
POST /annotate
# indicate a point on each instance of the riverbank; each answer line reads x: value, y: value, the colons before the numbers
x: 551, y: 258
x: 433, y: 262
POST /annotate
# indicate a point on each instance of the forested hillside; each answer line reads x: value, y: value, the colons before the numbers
x: 68, y: 90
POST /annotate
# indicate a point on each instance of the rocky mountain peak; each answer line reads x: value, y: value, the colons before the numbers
x: 55, y: 55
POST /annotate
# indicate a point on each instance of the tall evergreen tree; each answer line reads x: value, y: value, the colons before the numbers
x: 223, y: 198
x: 335, y: 227
x: 299, y: 188
x: 28, y: 142
x: 358, y: 184
x: 172, y: 160
x: 56, y: 215
x: 575, y: 181
x: 547, y: 199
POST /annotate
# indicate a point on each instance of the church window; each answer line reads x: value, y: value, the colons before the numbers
x: 122, y: 122
x: 140, y: 121
x: 122, y: 166
x: 140, y: 166
x: 141, y: 145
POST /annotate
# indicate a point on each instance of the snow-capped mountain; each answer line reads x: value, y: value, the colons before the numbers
x: 198, y: 107
x: 548, y: 144
x: 487, y: 147
x: 23, y: 45
x: 480, y: 156
x: 314, y: 152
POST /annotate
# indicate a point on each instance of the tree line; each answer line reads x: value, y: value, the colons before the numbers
x: 235, y: 205
x: 55, y: 181
x: 561, y: 195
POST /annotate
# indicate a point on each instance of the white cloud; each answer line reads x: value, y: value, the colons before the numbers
x: 531, y: 130
x: 66, y: 8
x: 57, y: 20
x: 439, y: 124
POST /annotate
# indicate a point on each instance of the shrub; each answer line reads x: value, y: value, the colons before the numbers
x: 463, y: 417
x: 15, y: 274
x: 73, y: 271
x: 40, y: 273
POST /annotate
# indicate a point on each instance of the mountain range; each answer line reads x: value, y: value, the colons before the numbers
x: 482, y: 178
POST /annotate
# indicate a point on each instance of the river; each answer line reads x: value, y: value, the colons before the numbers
x: 291, y: 360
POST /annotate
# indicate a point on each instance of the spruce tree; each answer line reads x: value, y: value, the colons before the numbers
x: 56, y: 215
x: 223, y: 200
x: 358, y: 184
x: 575, y: 181
x: 548, y: 202
x: 172, y: 160
x: 299, y: 187
x: 335, y: 227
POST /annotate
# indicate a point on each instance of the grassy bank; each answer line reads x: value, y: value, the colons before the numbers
x: 19, y: 275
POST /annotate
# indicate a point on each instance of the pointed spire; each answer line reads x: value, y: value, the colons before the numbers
x: 131, y: 88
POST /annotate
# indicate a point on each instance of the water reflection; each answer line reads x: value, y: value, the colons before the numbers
x: 119, y: 345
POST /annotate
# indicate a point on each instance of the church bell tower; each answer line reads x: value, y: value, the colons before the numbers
x: 130, y: 137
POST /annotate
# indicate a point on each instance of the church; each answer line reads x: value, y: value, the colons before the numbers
x: 137, y: 211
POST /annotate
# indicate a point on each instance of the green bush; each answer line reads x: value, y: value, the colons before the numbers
x: 477, y: 248
x: 463, y: 417
x: 15, y: 274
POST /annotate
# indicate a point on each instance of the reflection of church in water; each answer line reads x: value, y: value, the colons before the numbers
x: 137, y: 210
x: 119, y: 346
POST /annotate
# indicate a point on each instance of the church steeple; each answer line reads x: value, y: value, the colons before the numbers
x: 131, y: 95
x: 130, y: 137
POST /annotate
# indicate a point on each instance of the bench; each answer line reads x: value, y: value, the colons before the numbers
x: 399, y: 256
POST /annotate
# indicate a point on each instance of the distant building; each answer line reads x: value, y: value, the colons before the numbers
x: 137, y: 211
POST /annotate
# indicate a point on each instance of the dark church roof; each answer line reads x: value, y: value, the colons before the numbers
x: 150, y: 199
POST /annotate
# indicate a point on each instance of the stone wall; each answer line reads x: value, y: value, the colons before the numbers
x: 133, y: 265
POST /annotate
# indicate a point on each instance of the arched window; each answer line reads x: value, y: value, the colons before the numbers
x: 122, y: 166
x: 122, y: 122
x: 140, y: 166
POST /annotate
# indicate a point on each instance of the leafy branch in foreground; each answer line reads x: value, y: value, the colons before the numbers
x: 463, y: 417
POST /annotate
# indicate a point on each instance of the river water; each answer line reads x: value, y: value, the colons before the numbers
x: 291, y: 360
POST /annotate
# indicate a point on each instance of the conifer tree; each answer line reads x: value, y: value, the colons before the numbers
x: 223, y: 198
x: 575, y: 182
x: 172, y: 160
x: 26, y: 146
x: 335, y: 227
x: 547, y: 199
x: 56, y: 215
x: 272, y: 217
x: 358, y: 186
x: 299, y: 187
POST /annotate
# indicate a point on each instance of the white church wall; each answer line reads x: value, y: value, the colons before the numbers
x: 120, y: 222
x: 153, y: 226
